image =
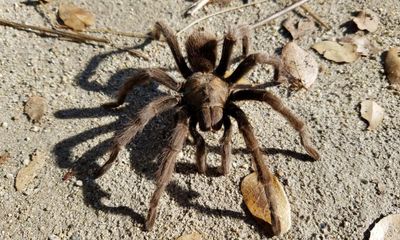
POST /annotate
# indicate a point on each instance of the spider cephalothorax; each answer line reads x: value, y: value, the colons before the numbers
x: 206, y: 98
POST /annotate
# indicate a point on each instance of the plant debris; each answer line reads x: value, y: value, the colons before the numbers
x: 192, y: 236
x: 27, y: 174
x: 300, y: 28
x: 35, y: 108
x: 367, y: 20
x: 392, y: 67
x: 364, y: 46
x: 300, y: 67
x: 337, y: 52
x: 388, y: 228
x: 254, y: 196
x: 372, y: 112
x: 4, y: 157
x: 75, y: 17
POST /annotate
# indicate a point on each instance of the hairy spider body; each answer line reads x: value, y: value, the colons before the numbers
x: 206, y: 98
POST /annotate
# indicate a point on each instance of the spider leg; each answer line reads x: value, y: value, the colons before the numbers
x: 234, y: 34
x: 141, y: 77
x: 167, y: 166
x: 264, y: 174
x: 170, y: 36
x: 276, y: 103
x: 249, y: 63
x: 136, y: 125
x: 226, y: 146
x: 201, y: 150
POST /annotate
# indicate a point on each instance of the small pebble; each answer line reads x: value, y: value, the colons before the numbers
x: 79, y: 183
x: 54, y: 237
x: 380, y: 187
x: 9, y: 176
x: 4, y: 124
x: 26, y: 161
x: 35, y: 129
x: 27, y: 139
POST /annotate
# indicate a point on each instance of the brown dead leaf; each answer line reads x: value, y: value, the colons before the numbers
x: 367, y: 20
x: 338, y: 52
x: 364, y: 46
x: 4, y: 157
x: 35, y: 108
x: 388, y: 228
x: 27, y: 174
x: 301, y: 68
x: 372, y: 112
x: 300, y: 28
x: 256, y: 201
x: 75, y: 17
x: 192, y: 236
x: 392, y: 67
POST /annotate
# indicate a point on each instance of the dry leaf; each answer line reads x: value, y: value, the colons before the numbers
x: 75, y: 17
x: 372, y: 112
x: 301, y: 69
x: 28, y: 173
x: 388, y: 228
x: 364, y: 46
x: 298, y: 29
x: 192, y: 236
x: 392, y: 67
x: 256, y: 201
x: 35, y: 108
x: 338, y: 52
x: 367, y: 20
x: 4, y: 157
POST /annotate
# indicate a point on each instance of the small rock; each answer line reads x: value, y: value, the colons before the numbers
x: 79, y: 183
x: 27, y: 139
x: 9, y: 176
x: 54, y: 237
x: 26, y: 161
x: 380, y: 188
x: 4, y: 124
x: 35, y: 129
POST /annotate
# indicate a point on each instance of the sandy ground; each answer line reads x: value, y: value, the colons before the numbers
x: 338, y: 197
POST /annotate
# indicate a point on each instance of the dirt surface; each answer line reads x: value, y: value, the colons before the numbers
x: 338, y: 197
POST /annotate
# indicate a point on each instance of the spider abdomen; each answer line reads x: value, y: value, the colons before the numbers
x: 205, y: 94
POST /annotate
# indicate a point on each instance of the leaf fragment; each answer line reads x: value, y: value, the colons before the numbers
x: 4, y: 157
x: 388, y: 228
x: 364, y: 46
x: 338, y: 52
x: 299, y: 66
x: 27, y: 174
x: 256, y: 201
x: 392, y: 67
x: 372, y: 112
x: 75, y: 17
x: 300, y: 28
x: 35, y: 108
x: 192, y: 236
x: 367, y: 20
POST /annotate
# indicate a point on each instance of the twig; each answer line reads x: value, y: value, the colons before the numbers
x: 317, y: 18
x: 120, y: 33
x: 217, y: 13
x: 195, y: 7
x: 278, y: 14
x: 133, y: 52
x: 75, y: 36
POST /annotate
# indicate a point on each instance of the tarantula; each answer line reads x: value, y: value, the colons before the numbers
x: 206, y: 99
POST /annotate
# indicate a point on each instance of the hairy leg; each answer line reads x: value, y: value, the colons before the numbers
x: 226, y: 146
x: 276, y: 103
x: 249, y: 63
x: 170, y: 36
x: 136, y: 125
x: 230, y: 39
x: 264, y: 174
x: 167, y: 166
x: 141, y: 77
x: 201, y: 150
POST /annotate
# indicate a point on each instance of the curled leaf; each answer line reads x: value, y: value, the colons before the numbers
x: 35, y: 108
x: 28, y: 173
x: 388, y: 228
x: 298, y: 29
x: 75, y: 17
x: 372, y: 112
x: 367, y: 20
x: 256, y: 201
x: 192, y: 236
x: 338, y: 52
x: 300, y: 67
x: 392, y: 67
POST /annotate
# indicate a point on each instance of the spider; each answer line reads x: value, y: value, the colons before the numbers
x: 207, y: 99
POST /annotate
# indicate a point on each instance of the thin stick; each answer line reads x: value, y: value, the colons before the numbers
x: 196, y: 7
x: 317, y: 18
x: 120, y: 33
x: 278, y: 14
x: 217, y: 13
x: 75, y: 36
